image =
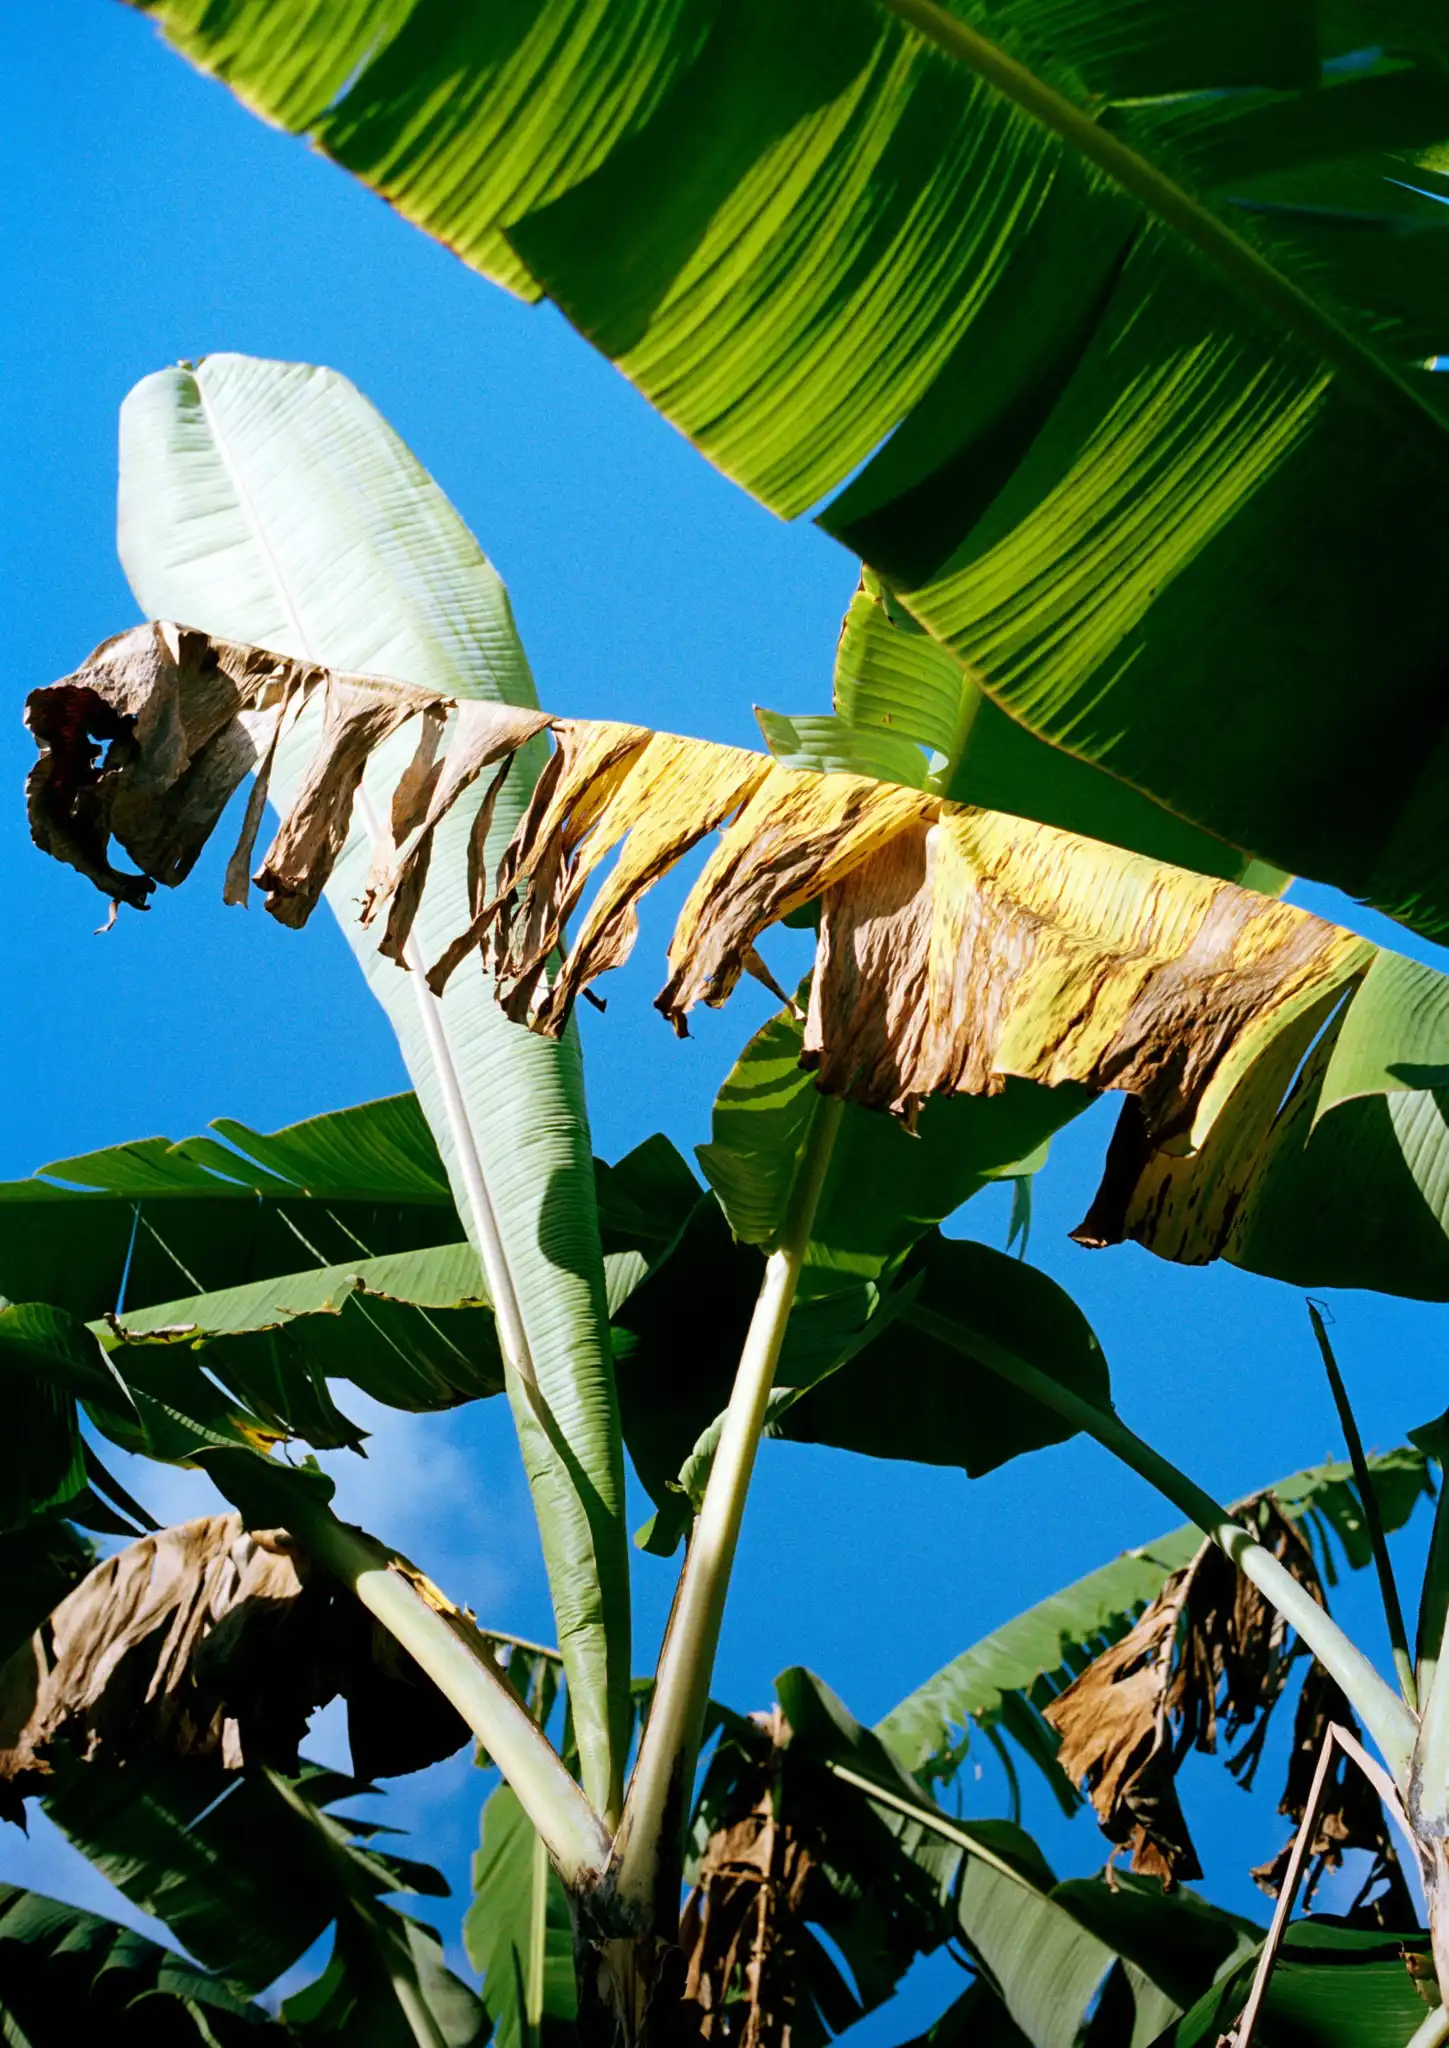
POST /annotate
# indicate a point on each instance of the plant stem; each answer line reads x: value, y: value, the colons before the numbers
x: 537, y: 1945
x: 646, y: 1852
x: 601, y: 1764
x: 1388, y: 1588
x: 1431, y: 2030
x: 1378, y: 1706
x: 453, y: 1653
x: 1434, y: 1599
x: 1242, y: 2034
x: 423, y: 2027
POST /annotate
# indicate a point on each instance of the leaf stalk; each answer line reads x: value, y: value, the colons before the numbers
x: 1388, y: 1587
x: 465, y: 1674
x: 648, y: 1847
x: 1376, y: 1703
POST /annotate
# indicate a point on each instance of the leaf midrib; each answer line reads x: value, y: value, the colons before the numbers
x: 1160, y: 194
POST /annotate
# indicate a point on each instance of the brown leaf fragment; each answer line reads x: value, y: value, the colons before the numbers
x: 143, y: 744
x: 208, y: 1641
x: 1210, y: 1649
x: 359, y: 716
x: 797, y: 837
x: 1037, y: 953
x: 1191, y: 1206
x: 1350, y: 1815
x: 650, y: 795
x: 163, y: 1646
x: 236, y: 889
x: 742, y: 1922
x: 483, y: 734
x: 868, y: 1022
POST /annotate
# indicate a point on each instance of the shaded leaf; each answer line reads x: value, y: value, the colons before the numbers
x: 66, y: 1974
x: 1333, y: 1985
x: 893, y: 1383
x: 210, y: 1643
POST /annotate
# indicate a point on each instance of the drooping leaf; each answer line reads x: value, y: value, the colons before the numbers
x: 207, y: 1642
x: 268, y: 503
x: 1114, y: 298
x: 517, y: 1932
x: 1033, y: 1657
x: 69, y: 1975
x: 1211, y: 1656
x: 1084, y: 966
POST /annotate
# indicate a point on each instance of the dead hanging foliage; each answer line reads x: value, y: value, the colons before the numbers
x: 1210, y: 1658
x: 145, y: 743
x: 1350, y: 1815
x: 957, y: 947
x: 744, y: 1919
x: 208, y: 1641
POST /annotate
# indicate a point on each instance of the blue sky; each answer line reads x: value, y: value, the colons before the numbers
x: 151, y: 219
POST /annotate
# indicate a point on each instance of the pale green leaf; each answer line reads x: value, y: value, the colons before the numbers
x: 270, y: 503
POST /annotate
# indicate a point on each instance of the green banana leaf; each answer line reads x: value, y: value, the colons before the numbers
x: 246, y: 1869
x: 413, y: 1327
x: 69, y: 1975
x: 1045, y: 1948
x: 147, y: 1221
x: 884, y: 1186
x: 324, y: 538
x: 1335, y: 1986
x: 1124, y: 309
x: 898, y: 690
x: 518, y: 1933
x: 850, y: 1375
x: 1002, y: 1681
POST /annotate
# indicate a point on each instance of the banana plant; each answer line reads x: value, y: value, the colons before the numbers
x: 320, y: 617
x: 805, y: 1826
x: 1102, y: 334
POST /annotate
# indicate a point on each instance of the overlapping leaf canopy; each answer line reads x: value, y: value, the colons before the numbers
x: 1124, y: 308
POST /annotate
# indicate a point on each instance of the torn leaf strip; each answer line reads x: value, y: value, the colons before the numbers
x: 958, y: 946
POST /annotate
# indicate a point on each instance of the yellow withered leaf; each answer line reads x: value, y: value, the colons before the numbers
x: 958, y: 947
x: 1033, y: 952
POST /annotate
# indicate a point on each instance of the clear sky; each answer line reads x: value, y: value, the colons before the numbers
x: 149, y: 218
